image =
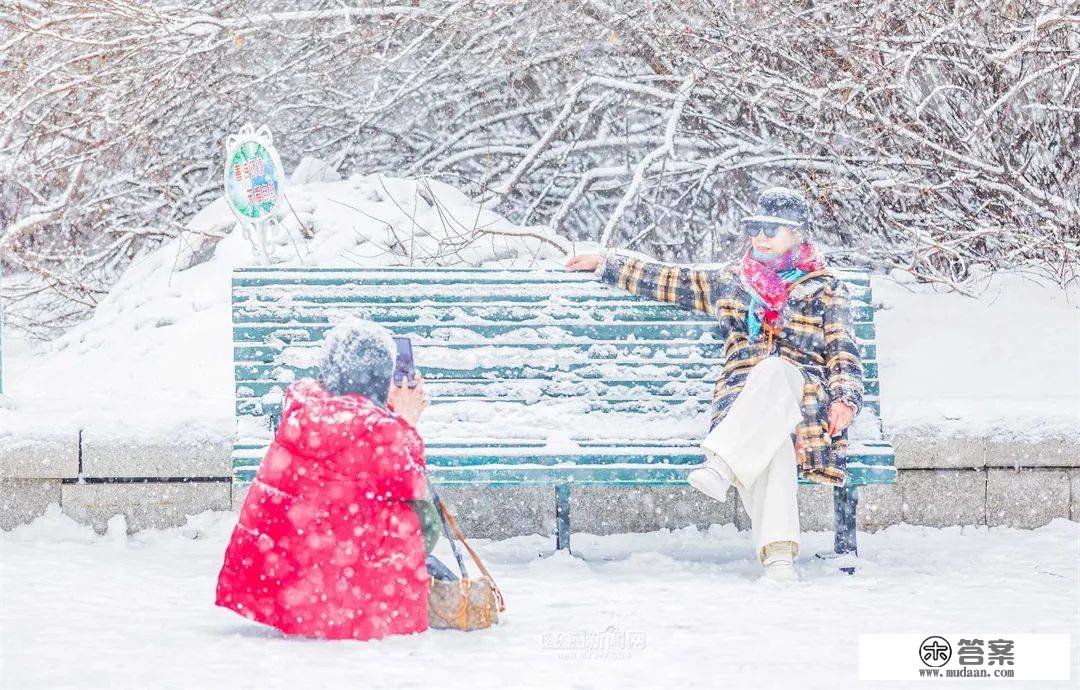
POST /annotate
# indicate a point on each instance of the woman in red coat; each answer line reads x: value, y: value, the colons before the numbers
x: 327, y: 545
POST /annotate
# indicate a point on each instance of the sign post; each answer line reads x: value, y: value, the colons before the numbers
x: 254, y: 184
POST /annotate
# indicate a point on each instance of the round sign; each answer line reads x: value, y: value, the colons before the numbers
x: 253, y: 177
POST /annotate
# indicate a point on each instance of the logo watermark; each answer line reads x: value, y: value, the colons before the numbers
x: 984, y: 656
x: 609, y: 643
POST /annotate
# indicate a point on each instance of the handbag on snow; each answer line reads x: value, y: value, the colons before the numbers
x: 464, y: 603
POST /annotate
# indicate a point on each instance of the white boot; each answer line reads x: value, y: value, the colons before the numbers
x: 779, y: 561
x: 710, y: 480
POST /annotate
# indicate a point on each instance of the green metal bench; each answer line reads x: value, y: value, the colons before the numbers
x: 535, y: 377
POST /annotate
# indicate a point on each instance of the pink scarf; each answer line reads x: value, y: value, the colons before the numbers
x: 762, y: 279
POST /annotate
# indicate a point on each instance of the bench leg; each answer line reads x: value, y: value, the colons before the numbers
x: 562, y: 516
x: 845, y: 503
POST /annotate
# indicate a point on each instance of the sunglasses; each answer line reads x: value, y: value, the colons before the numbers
x: 753, y: 227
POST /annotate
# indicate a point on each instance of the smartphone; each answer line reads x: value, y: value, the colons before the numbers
x: 404, y: 366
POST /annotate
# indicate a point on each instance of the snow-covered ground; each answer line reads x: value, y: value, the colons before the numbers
x: 113, y: 611
x: 154, y: 362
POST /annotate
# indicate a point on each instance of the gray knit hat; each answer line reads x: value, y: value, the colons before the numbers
x: 358, y: 357
x: 783, y: 206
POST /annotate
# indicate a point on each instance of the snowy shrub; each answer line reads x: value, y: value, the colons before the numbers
x: 933, y: 136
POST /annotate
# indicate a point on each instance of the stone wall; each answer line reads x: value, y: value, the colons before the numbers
x: 940, y: 482
x: 93, y: 479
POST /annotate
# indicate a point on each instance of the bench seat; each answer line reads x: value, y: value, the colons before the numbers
x: 507, y: 463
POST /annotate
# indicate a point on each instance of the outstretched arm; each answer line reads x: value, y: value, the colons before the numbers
x: 690, y: 288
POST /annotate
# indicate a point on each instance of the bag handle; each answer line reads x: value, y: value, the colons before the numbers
x: 476, y: 558
x: 446, y: 530
x: 448, y: 522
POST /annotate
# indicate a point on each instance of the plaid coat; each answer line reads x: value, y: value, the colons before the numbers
x: 816, y: 334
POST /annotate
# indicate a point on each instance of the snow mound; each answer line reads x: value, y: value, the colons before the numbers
x: 1002, y: 366
x: 154, y: 362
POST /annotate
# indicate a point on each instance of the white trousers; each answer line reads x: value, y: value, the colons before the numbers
x: 752, y: 448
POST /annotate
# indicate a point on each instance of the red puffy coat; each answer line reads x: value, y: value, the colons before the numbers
x: 326, y: 545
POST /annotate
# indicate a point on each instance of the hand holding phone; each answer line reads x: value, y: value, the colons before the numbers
x: 408, y: 402
x: 404, y: 365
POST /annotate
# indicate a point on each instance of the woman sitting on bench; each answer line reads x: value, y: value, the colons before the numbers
x: 792, y: 377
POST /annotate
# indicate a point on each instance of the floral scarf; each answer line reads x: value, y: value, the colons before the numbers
x: 766, y: 277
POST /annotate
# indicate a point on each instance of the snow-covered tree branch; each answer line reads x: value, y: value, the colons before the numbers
x: 933, y: 136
